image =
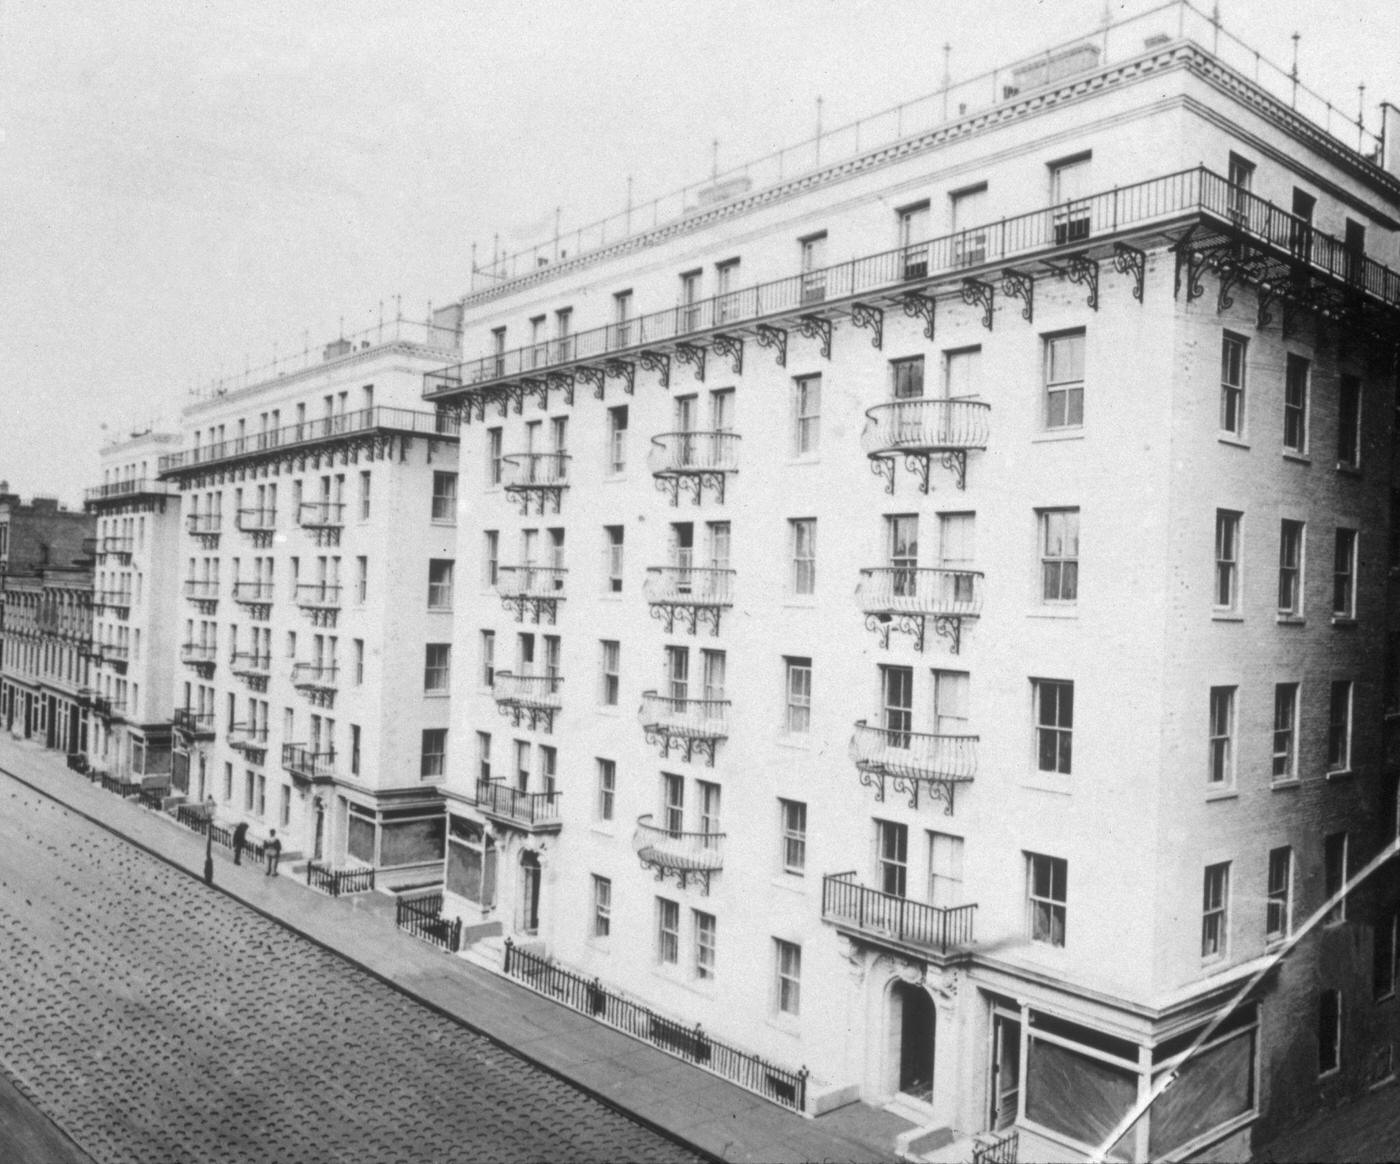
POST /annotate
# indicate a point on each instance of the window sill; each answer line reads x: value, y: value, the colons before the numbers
x: 1296, y: 457
x: 1340, y: 774
x: 793, y: 741
x: 1054, y: 612
x: 439, y: 610
x: 615, y: 478
x: 1047, y: 782
x: 787, y: 1024
x: 437, y: 695
x: 1052, y: 435
x: 602, y: 830
x: 1282, y: 785
x: 1344, y: 620
x: 1277, y: 942
x: 1290, y: 619
x: 1348, y: 470
x: 1226, y: 616
x: 1222, y: 794
x: 448, y: 523
x: 790, y: 882
x: 1229, y: 438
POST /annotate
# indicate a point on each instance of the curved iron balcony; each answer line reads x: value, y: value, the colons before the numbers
x: 250, y: 663
x: 895, y: 921
x: 112, y: 653
x: 198, y: 654
x: 113, y: 599
x: 252, y: 593
x: 318, y: 595
x: 692, y: 725
x: 695, y: 593
x: 672, y: 852
x: 695, y: 459
x: 202, y: 589
x: 314, y: 676
x: 304, y: 764
x: 537, y: 477
x: 530, y: 698
x: 913, y: 759
x: 248, y: 737
x: 321, y: 514
x: 118, y: 547
x: 197, y: 725
x: 538, y: 589
x: 203, y: 525
x: 920, y: 427
x: 903, y: 598
x: 531, y: 811
x: 257, y: 520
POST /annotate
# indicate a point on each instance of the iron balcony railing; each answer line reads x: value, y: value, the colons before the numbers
x: 318, y: 594
x: 690, y: 852
x: 924, y: 425
x: 120, y: 490
x: 913, y: 755
x: 531, y: 581
x: 330, y: 428
x: 892, y: 590
x: 205, y: 524
x: 322, y: 676
x: 244, y: 736
x: 111, y: 652
x: 321, y: 514
x: 118, y: 546
x: 689, y: 585
x: 680, y: 453
x: 300, y: 760
x: 198, y: 653
x: 534, y: 470
x: 1066, y: 226
x: 253, y: 592
x: 202, y: 589
x: 250, y: 663
x: 256, y: 520
x: 697, y: 718
x: 887, y: 915
x: 199, y: 724
x: 527, y: 690
x: 529, y: 809
x: 114, y: 599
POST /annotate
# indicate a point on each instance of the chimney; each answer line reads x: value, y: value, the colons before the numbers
x: 1390, y: 138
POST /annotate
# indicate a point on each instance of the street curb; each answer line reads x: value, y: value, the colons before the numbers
x: 399, y: 987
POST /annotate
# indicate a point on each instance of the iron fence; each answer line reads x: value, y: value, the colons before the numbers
x: 422, y: 917
x: 1001, y: 1149
x: 338, y: 881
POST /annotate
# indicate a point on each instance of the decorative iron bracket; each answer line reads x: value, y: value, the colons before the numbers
x: 866, y: 315
x: 657, y: 362
x: 694, y: 355
x: 1264, y: 317
x: 321, y: 615
x: 690, y: 613
x: 534, y: 386
x: 976, y: 293
x: 731, y: 346
x: 563, y: 381
x: 955, y: 460
x: 816, y: 327
x: 670, y: 484
x: 624, y: 370
x: 884, y: 467
x: 906, y: 624
x: 918, y: 306
x: 515, y: 393
x: 681, y: 876
x: 947, y: 626
x: 688, y: 746
x: 531, y: 716
x: 205, y: 605
x: 539, y: 495
x: 518, y: 604
x: 1019, y: 285
x: 594, y: 376
x: 1231, y: 271
x: 775, y: 338
x: 1129, y: 259
x: 874, y: 777
x: 938, y: 789
x: 1085, y: 271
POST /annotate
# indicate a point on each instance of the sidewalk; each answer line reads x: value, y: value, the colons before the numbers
x: 691, y: 1104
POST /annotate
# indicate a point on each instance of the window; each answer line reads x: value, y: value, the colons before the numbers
x: 1214, y: 910
x: 1295, y: 405
x: 798, y: 687
x: 1290, y: 569
x: 445, y: 497
x: 945, y: 870
x: 611, y: 664
x: 613, y: 548
x: 622, y: 319
x: 788, y: 958
x: 1285, y: 723
x: 962, y: 373
x: 607, y: 788
x: 1054, y: 720
x: 494, y: 464
x: 483, y: 755
x: 1339, y: 727
x: 248, y: 791
x: 907, y: 378
x: 1227, y: 559
x: 361, y: 578
x: 1385, y: 956
x: 951, y: 703
x: 1064, y: 380
x: 1241, y: 178
x: 673, y: 803
x: 813, y: 259
x: 563, y: 322
x: 354, y: 749
x: 726, y: 281
x: 793, y: 815
x: 602, y: 906
x: 1344, y: 574
x: 1329, y: 1031
x: 1059, y: 555
x: 617, y: 439
x: 1046, y: 877
x: 1278, y: 923
x: 1334, y: 872
x: 1232, y: 352
x: 1069, y: 188
x: 434, y: 752
x: 1222, y: 733
x: 897, y: 704
x: 364, y: 495
x: 690, y: 296
x: 498, y: 349
x: 968, y: 210
x: 803, y: 538
x: 284, y: 812
x: 1349, y: 422
x: 359, y: 660
x: 488, y: 658
x: 437, y: 666
x: 913, y: 222
x: 668, y: 931
x: 892, y: 858
x: 704, y: 944
x: 806, y: 414
x: 493, y: 556
x: 440, y: 584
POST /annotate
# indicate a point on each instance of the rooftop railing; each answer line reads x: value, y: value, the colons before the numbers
x: 120, y: 490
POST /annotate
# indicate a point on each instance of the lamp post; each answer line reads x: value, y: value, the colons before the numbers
x: 209, y: 841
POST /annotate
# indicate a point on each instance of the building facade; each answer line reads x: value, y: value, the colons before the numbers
x: 924, y: 620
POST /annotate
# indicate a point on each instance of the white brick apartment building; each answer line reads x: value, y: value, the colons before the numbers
x: 924, y: 619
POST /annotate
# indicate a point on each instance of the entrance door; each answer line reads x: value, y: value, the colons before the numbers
x: 1006, y: 1071
x: 916, y: 1039
x: 529, y: 893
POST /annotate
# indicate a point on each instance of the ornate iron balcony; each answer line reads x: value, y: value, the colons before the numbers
x: 910, y: 760
x: 314, y: 676
x: 896, y: 921
x: 202, y: 589
x: 695, y: 460
x: 203, y: 525
x: 903, y: 598
x: 252, y: 593
x: 117, y: 547
x: 537, y: 477
x: 195, y: 725
x: 306, y: 765
x: 689, y: 725
x: 537, y: 589
x: 118, y: 654
x: 118, y: 600
x: 533, y: 699
x: 256, y: 521
x: 321, y: 514
x: 678, y: 854
x: 530, y: 811
x: 694, y: 593
x: 109, y: 709
x: 250, y: 663
x: 119, y: 492
x: 321, y: 600
x: 200, y: 656
x: 919, y: 428
x: 248, y: 737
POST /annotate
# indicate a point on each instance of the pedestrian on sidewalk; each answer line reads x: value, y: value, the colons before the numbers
x: 272, y: 849
x: 240, y: 837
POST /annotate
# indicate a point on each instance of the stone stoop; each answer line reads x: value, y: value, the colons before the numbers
x: 933, y: 1145
x: 484, y: 946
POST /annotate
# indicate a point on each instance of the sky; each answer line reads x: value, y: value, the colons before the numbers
x: 184, y: 185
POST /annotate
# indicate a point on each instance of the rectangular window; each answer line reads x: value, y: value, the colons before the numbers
x: 445, y: 497
x: 673, y: 803
x: 1349, y: 423
x: 952, y: 702
x: 607, y: 788
x: 788, y: 958
x: 1240, y: 179
x: 1385, y: 956
x: 440, y: 584
x: 364, y: 495
x: 1334, y: 871
x: 1290, y: 569
x: 1054, y: 725
x: 492, y: 557
x: 359, y: 660
x: 284, y: 813
x: 1046, y: 889
x: 704, y: 944
x: 602, y: 907
x: 483, y: 755
x: 1214, y: 910
x: 622, y: 319
x: 1232, y: 353
x: 1227, y: 559
x: 806, y: 414
x: 1344, y: 574
x: 1059, y: 555
x: 434, y: 753
x: 354, y: 749
x: 1064, y: 380
x: 262, y: 796
x: 907, y: 378
x: 802, y: 534
x: 726, y: 283
x: 668, y: 932
x: 1295, y: 405
x: 1339, y: 727
x: 892, y: 858
x: 798, y: 689
x: 1222, y: 735
x: 488, y: 658
x: 248, y: 790
x: 617, y: 439
x: 945, y: 870
x: 611, y: 679
x: 913, y: 223
x: 494, y: 452
x: 1285, y: 724
x: 968, y: 216
x: 437, y: 665
x: 793, y: 814
x: 813, y: 260
x: 1069, y: 190
x: 613, y: 548
x: 1329, y: 1031
x: 1278, y: 923
x: 897, y: 704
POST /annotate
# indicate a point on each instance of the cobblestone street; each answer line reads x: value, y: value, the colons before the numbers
x: 155, y: 1020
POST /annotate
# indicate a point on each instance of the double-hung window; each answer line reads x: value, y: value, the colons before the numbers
x: 1344, y: 575
x: 1334, y: 875
x: 1295, y: 405
x: 494, y: 453
x: 1059, y: 555
x: 444, y: 496
x: 705, y: 941
x: 1054, y: 725
x: 788, y: 961
x: 897, y: 692
x: 437, y: 665
x: 892, y: 857
x: 1285, y: 731
x: 1215, y: 910
x: 1064, y: 380
x: 613, y: 548
x: 1222, y: 733
x: 1232, y: 369
x: 440, y: 584
x: 1046, y: 879
x: 806, y: 414
x: 1278, y: 922
x: 488, y: 658
x: 611, y: 666
x: 794, y: 832
x: 914, y: 229
x: 668, y: 931
x: 1339, y: 727
x: 1349, y: 423
x: 803, y: 538
x: 434, y: 758
x: 607, y: 788
x: 797, y: 717
x: 1290, y: 568
x: 602, y: 906
x: 1227, y: 559
x: 617, y: 440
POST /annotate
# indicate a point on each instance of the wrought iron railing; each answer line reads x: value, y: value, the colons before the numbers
x: 247, y: 735
x: 532, y: 470
x: 153, y: 798
x: 338, y: 881
x: 250, y: 663
x: 256, y: 520
x: 193, y: 723
x: 319, y: 594
x: 779, y: 1085
x: 115, y: 782
x: 118, y: 546
x: 846, y: 902
x: 196, y: 818
x: 422, y: 917
x: 258, y: 592
x: 997, y: 1148
x: 116, y: 490
x: 113, y: 599
x: 533, y: 809
x: 321, y: 514
x: 925, y: 424
x: 702, y: 718
x: 899, y: 752
x: 531, y: 581
x: 677, y: 849
x: 527, y: 690
x: 683, y: 585
x: 319, y: 675
x: 693, y: 452
x: 201, y: 589
x: 111, y: 652
x: 911, y: 590
x: 303, y: 761
x: 199, y: 652
x: 203, y: 524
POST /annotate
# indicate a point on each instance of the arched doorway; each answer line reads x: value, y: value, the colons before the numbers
x: 913, y: 1027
